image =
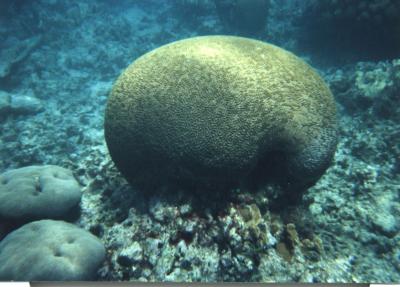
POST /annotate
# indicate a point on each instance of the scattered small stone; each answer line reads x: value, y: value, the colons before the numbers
x: 130, y: 255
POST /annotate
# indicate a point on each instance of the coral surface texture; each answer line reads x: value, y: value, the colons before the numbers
x: 218, y: 108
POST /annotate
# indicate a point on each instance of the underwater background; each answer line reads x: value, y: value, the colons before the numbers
x: 58, y: 62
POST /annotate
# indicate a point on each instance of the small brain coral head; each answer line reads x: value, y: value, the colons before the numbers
x: 217, y: 110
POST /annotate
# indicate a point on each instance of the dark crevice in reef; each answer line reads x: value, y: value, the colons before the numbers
x: 336, y: 33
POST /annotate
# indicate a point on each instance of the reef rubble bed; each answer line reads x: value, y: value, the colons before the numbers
x: 343, y: 229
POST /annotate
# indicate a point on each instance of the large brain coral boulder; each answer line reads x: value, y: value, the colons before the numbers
x: 38, y: 192
x: 49, y: 250
x: 218, y: 110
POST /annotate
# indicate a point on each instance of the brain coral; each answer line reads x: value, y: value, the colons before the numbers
x: 218, y: 110
x: 38, y: 192
x: 50, y: 250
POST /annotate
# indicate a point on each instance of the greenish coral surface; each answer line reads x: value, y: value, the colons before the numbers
x: 215, y: 108
x: 50, y: 250
x: 38, y: 192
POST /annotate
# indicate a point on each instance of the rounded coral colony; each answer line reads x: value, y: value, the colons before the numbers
x: 219, y: 111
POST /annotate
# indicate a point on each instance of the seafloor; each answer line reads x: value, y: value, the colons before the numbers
x: 67, y: 54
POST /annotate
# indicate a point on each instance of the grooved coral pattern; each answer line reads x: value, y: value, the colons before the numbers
x: 210, y: 109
